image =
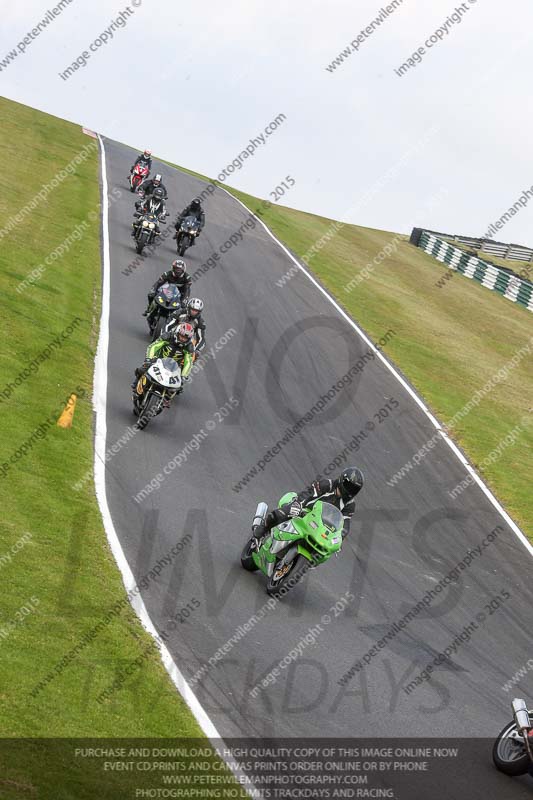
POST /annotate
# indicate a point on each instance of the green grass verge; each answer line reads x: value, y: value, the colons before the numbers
x: 63, y: 562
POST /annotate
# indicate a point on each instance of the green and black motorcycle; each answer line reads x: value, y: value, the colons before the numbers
x: 292, y: 547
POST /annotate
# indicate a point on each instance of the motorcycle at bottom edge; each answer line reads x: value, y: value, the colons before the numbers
x: 512, y: 752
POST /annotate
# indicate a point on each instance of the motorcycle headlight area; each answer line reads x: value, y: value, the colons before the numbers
x: 145, y: 223
x: 151, y: 225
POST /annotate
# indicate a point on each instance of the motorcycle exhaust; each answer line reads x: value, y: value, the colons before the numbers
x: 521, y: 715
x: 260, y: 514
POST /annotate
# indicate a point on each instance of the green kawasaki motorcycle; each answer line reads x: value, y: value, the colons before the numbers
x: 294, y: 546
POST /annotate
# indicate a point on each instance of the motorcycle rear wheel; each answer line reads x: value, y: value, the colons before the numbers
x: 246, y: 557
x: 506, y: 754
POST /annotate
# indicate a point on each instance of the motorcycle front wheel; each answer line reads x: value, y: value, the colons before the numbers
x: 151, y: 408
x: 141, y: 242
x: 183, y: 244
x: 509, y: 755
x: 287, y: 574
x: 160, y: 324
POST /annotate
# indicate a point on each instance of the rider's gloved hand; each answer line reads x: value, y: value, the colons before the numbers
x: 295, y: 509
x: 316, y: 487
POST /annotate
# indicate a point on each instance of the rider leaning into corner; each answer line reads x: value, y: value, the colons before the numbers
x: 340, y: 493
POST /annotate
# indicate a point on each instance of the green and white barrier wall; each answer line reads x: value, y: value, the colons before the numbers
x: 510, y: 286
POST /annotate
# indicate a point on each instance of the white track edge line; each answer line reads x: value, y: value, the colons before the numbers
x: 418, y: 400
x: 99, y: 406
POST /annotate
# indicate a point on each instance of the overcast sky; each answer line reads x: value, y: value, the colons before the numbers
x: 447, y: 146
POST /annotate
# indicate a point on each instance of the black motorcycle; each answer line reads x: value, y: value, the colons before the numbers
x: 513, y: 749
x: 145, y: 230
x: 165, y: 303
x: 188, y: 231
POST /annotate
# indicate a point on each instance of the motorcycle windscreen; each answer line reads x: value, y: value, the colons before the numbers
x: 322, y: 527
x: 332, y: 518
x: 173, y: 368
x: 190, y: 223
x: 166, y: 373
x: 170, y: 292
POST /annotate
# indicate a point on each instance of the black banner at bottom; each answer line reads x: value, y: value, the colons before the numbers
x: 401, y: 769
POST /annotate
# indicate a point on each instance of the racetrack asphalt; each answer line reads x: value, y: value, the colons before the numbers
x: 289, y: 348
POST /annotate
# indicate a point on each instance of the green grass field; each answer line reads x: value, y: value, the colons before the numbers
x: 59, y: 578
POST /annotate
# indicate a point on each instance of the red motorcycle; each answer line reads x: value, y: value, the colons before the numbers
x: 138, y: 176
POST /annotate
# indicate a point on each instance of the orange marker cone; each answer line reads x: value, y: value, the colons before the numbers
x: 65, y: 420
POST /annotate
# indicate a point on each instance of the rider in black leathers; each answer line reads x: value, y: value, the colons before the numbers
x: 154, y: 183
x: 153, y: 204
x: 149, y: 188
x: 191, y: 311
x: 176, y: 274
x: 150, y: 205
x: 144, y: 158
x: 340, y: 492
x: 194, y: 209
